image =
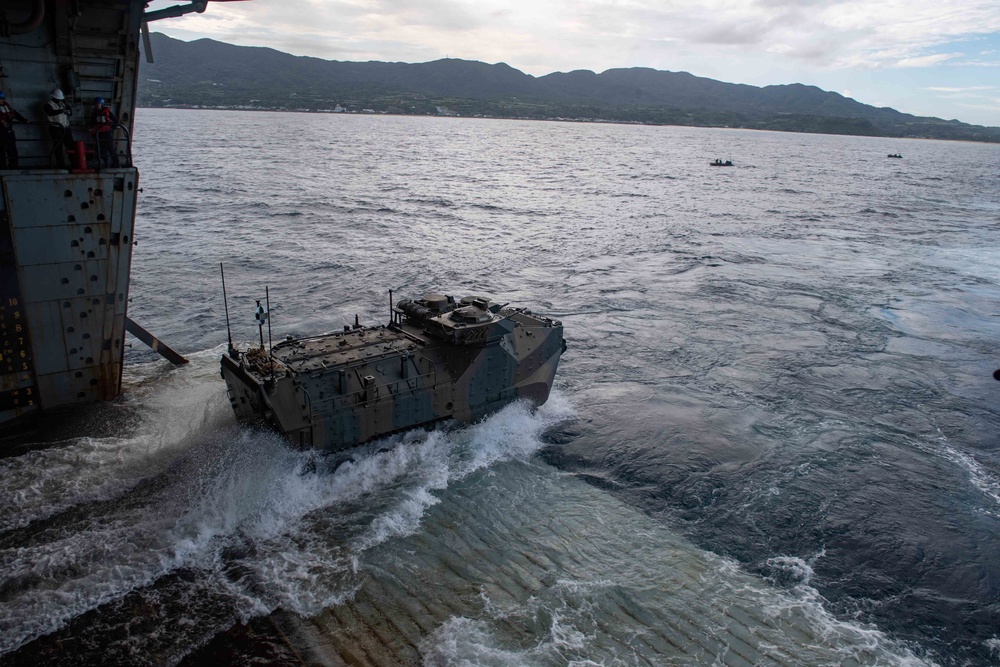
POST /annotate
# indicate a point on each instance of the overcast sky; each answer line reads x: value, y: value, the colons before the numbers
x: 926, y: 57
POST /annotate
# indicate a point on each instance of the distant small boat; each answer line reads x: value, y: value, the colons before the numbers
x: 894, y: 155
x: 720, y: 163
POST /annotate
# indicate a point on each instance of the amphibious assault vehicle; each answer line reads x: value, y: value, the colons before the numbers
x: 438, y: 358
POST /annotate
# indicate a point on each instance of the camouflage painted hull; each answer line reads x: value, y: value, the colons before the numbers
x: 439, y: 358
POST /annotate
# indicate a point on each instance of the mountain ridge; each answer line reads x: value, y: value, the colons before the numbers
x: 209, y: 73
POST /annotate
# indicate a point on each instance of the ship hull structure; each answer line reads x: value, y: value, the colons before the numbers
x: 66, y: 245
x: 67, y: 202
x: 339, y: 390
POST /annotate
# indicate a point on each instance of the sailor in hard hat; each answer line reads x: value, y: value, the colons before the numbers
x: 57, y: 111
x: 8, y: 141
x: 104, y: 123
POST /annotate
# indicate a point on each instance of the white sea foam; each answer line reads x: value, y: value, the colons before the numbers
x: 855, y: 640
x: 40, y: 484
x: 800, y: 569
x: 45, y: 482
x: 446, y: 456
x: 245, y: 497
x: 979, y: 477
x: 463, y: 642
x: 606, y: 585
x: 114, y: 548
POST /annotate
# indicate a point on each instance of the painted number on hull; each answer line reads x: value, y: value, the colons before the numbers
x: 15, y: 355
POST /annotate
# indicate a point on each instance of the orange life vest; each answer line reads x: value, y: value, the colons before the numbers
x: 6, y: 115
x: 103, y: 120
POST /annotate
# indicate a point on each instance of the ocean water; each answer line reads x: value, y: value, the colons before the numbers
x: 774, y: 439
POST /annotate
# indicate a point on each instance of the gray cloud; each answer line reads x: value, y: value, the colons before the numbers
x: 732, y: 34
x: 442, y: 14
